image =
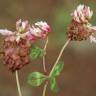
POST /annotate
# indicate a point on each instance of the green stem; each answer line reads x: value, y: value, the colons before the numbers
x: 18, y: 84
x: 59, y: 56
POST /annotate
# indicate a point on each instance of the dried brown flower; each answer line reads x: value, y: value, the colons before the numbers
x: 78, y: 31
x: 80, y: 28
x: 16, y: 54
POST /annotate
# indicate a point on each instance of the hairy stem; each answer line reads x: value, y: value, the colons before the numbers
x: 44, y: 67
x: 18, y: 84
x: 59, y: 56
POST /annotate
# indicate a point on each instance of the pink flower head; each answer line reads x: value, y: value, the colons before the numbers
x: 82, y: 14
x: 21, y: 26
x: 25, y: 31
x: 44, y: 26
x: 39, y: 30
x: 17, y: 44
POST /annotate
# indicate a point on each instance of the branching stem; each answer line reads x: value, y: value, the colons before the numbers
x: 57, y: 60
x: 59, y: 56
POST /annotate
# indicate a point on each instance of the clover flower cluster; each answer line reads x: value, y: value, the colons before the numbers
x: 18, y: 43
x: 80, y: 27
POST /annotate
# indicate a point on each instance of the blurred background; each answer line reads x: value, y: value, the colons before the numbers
x: 79, y: 75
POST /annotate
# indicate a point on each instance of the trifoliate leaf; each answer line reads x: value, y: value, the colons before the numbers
x: 57, y: 70
x: 36, y: 79
x: 53, y: 85
x: 36, y: 52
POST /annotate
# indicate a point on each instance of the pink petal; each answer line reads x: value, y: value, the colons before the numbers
x: 5, y: 32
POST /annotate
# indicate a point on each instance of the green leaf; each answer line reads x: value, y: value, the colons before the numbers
x: 36, y: 79
x: 53, y: 85
x: 36, y: 52
x: 57, y: 70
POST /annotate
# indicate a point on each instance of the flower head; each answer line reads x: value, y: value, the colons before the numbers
x: 44, y: 26
x: 18, y: 43
x: 80, y: 27
x: 16, y: 55
x: 82, y: 14
x: 39, y: 30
